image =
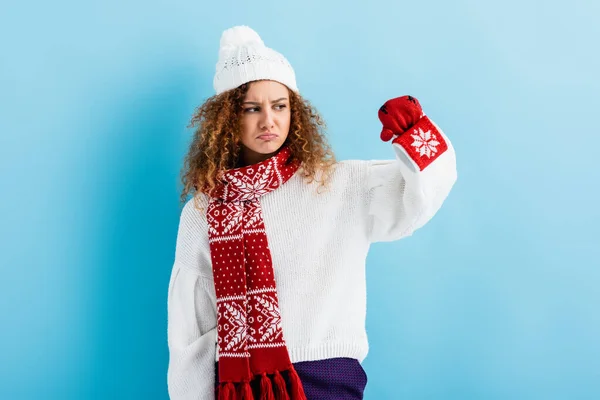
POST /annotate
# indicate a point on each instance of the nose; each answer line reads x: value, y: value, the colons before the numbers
x: 267, y: 120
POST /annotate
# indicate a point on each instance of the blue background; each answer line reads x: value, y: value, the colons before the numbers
x: 496, y: 298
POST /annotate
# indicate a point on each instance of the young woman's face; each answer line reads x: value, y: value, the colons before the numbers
x: 265, y: 120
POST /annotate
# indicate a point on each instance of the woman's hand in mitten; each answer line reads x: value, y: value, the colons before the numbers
x: 398, y: 115
x: 404, y: 121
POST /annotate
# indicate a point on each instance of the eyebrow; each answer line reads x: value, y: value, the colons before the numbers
x: 273, y: 102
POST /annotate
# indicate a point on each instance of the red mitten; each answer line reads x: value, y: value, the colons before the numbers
x: 421, y: 140
x: 399, y: 114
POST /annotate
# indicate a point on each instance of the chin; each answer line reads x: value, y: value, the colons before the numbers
x: 257, y: 152
x: 267, y: 148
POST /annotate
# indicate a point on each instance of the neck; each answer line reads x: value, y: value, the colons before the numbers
x: 249, y: 157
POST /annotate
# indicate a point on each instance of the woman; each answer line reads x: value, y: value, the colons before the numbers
x: 267, y: 294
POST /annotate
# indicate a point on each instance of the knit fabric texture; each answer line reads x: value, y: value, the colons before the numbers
x: 337, y: 378
x: 243, y: 57
x: 319, y: 242
x: 250, y: 337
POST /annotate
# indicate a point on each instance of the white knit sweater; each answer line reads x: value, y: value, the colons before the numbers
x: 319, y: 243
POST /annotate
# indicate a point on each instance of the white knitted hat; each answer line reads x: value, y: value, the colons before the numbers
x: 243, y: 57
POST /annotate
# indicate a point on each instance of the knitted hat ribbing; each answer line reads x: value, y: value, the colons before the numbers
x: 243, y: 57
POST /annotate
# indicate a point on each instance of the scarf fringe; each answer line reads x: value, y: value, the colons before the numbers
x: 227, y: 391
x: 271, y: 388
x: 266, y: 391
x: 279, y: 387
x: 297, y: 389
x: 247, y: 391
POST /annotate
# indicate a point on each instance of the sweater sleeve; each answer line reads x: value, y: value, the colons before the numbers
x: 191, y: 329
x: 405, y: 193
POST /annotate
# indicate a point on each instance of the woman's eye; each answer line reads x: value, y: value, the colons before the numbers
x: 280, y: 106
x: 252, y: 109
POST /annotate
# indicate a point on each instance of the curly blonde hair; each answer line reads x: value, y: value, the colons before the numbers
x: 216, y: 144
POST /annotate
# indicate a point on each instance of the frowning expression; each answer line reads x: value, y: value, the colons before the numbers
x: 265, y: 122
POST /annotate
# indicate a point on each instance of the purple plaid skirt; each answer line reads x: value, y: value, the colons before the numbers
x: 332, y: 379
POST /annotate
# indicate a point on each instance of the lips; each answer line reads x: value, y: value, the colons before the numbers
x: 267, y: 136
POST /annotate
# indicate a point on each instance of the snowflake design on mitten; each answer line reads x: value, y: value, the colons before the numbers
x: 425, y: 142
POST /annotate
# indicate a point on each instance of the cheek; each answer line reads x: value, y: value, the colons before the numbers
x: 285, y: 122
x: 245, y: 128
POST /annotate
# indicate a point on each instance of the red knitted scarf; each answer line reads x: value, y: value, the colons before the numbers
x: 250, y: 338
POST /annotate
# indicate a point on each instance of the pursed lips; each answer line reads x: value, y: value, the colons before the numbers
x: 267, y: 135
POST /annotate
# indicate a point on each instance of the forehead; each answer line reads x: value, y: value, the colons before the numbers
x: 266, y: 90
